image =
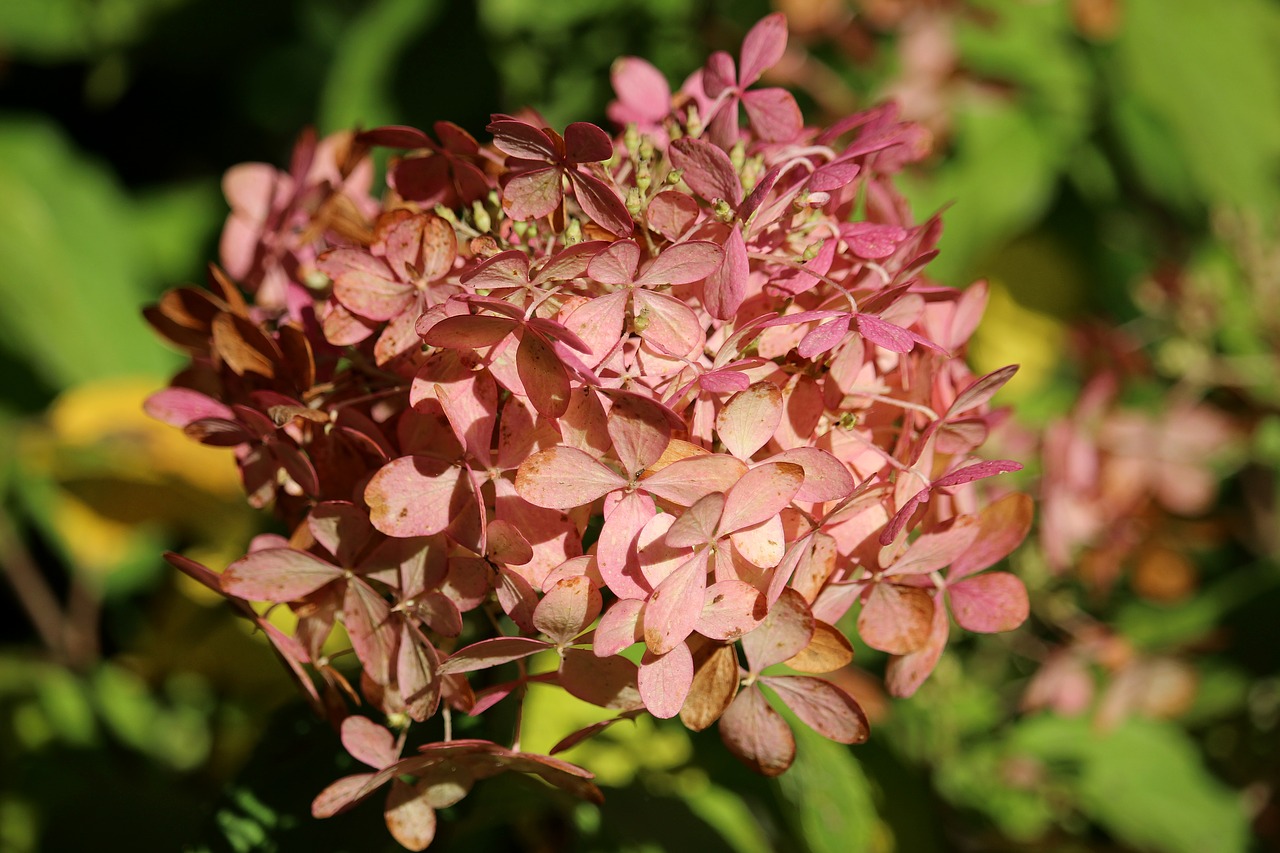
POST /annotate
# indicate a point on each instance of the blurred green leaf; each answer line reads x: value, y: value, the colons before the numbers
x: 829, y: 797
x: 1009, y: 147
x: 977, y: 779
x: 175, y: 226
x: 1160, y: 626
x: 51, y: 30
x: 727, y: 813
x: 357, y: 90
x: 1207, y: 77
x: 1144, y: 782
x: 73, y: 280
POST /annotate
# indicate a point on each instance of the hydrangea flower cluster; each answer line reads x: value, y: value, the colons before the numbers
x: 682, y: 391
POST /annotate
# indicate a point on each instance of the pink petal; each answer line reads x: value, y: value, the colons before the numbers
x: 762, y: 47
x: 369, y: 742
x: 902, y: 516
x: 180, y: 406
x: 417, y: 496
x: 824, y: 707
x: 989, y: 603
x: 1005, y: 524
x: 819, y: 264
x: 730, y: 609
x: 365, y: 284
x: 277, y: 574
x: 343, y: 328
x: 586, y: 143
x: 570, y: 262
x: 761, y: 544
x: 798, y: 554
x: 725, y: 289
x: 683, y: 263
x: 826, y: 478
x: 833, y: 176
x: 616, y: 265
x: 872, y: 239
x: 896, y: 619
x: 748, y: 420
x: 981, y: 390
x: 602, y: 203
x: 416, y: 665
x: 490, y: 653
x: 618, y: 628
x: 521, y: 140
x: 933, y: 551
x: 697, y: 525
x: 563, y: 478
x: 518, y: 435
x: 667, y: 323
x: 340, y: 528
x: 823, y: 338
x: 249, y: 189
x: 598, y: 322
x: 543, y: 374
x: 471, y: 405
x: 641, y: 89
x: 671, y: 213
x: 687, y: 481
x: 707, y: 170
x: 504, y: 543
x: 373, y: 635
x: 469, y: 331
x: 505, y: 269
x: 440, y: 613
x: 783, y: 634
x: 517, y: 598
x: 567, y: 609
x: 673, y: 608
x: 757, y: 735
x: 904, y: 675
x: 608, y: 682
x: 656, y: 556
x: 664, y: 681
x: 640, y: 431
x: 717, y: 75
x: 529, y: 195
x: 976, y: 471
x: 551, y: 534
x: 342, y: 794
x: 616, y: 550
x: 884, y: 334
x: 409, y: 818
x: 763, y: 491
x: 774, y: 114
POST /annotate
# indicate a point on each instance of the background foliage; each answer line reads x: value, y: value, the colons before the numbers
x: 1112, y: 169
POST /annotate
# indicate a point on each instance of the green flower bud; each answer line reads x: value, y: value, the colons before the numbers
x: 481, y: 217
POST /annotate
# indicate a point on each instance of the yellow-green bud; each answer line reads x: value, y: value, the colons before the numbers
x: 481, y: 217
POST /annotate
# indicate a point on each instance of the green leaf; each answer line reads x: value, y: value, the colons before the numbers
x: 1208, y: 75
x: 829, y: 797
x: 1155, y: 626
x: 73, y: 280
x: 1144, y: 783
x: 54, y: 30
x: 356, y: 92
x: 726, y: 813
x: 1008, y: 149
x: 175, y: 226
